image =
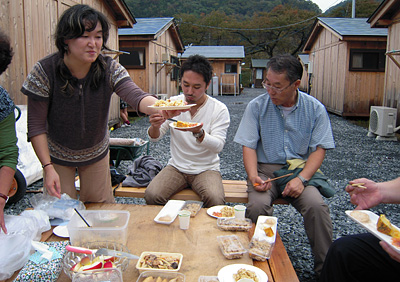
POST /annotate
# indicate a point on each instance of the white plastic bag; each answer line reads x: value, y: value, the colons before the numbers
x: 56, y: 208
x: 16, y: 245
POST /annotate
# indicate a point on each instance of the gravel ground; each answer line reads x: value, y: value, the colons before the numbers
x: 355, y: 156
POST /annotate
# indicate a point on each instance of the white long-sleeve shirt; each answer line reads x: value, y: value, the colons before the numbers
x: 187, y: 154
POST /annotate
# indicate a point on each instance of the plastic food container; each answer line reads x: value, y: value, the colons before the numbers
x: 106, y: 225
x: 193, y: 206
x: 163, y: 275
x: 231, y: 247
x: 72, y: 259
x: 234, y: 224
x: 263, y: 241
x: 260, y: 249
x: 100, y: 275
x: 208, y: 279
x: 173, y: 262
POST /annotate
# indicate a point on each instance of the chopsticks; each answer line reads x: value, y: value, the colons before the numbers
x: 272, y: 179
x: 359, y: 185
x: 171, y: 119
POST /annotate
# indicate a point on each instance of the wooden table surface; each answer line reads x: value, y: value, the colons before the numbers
x: 198, y: 244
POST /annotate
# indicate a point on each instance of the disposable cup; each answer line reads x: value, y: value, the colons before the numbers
x: 240, y: 211
x: 184, y: 219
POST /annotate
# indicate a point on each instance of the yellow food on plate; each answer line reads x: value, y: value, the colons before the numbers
x: 269, y: 232
x: 184, y: 124
x: 245, y: 273
x: 227, y: 212
x: 169, y: 103
x: 383, y: 225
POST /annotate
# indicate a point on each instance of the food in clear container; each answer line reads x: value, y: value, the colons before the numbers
x: 158, y: 276
x: 245, y: 273
x: 159, y: 261
x: 234, y: 224
x: 260, y: 249
x: 193, y: 206
x: 208, y: 279
x: 231, y: 247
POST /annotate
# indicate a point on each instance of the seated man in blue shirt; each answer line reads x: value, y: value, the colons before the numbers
x: 284, y: 126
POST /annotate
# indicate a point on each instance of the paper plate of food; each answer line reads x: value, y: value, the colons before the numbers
x: 380, y: 226
x: 183, y: 125
x: 168, y: 105
x: 221, y: 211
x: 235, y: 272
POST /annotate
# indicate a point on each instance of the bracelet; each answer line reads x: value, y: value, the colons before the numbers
x: 50, y: 163
x: 5, y: 197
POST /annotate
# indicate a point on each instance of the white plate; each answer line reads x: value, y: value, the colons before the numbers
x: 173, y: 108
x: 213, y: 209
x: 61, y: 231
x: 225, y: 274
x: 371, y: 227
x: 171, y: 209
x: 173, y: 125
x: 259, y: 231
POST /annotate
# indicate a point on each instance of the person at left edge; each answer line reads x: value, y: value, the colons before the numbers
x: 69, y: 96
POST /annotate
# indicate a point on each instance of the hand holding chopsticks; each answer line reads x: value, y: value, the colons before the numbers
x: 272, y: 179
x: 359, y: 185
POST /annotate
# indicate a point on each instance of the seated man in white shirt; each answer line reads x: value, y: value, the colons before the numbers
x: 194, y: 159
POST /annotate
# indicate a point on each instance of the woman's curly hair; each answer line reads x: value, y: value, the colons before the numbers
x: 6, y: 52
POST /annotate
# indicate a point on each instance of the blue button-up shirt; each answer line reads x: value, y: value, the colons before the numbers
x: 277, y: 138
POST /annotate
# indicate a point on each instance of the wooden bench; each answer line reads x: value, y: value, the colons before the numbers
x: 235, y: 192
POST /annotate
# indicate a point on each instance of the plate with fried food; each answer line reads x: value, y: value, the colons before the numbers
x: 380, y: 226
x: 183, y: 125
x: 221, y: 211
x: 168, y: 105
x: 235, y: 272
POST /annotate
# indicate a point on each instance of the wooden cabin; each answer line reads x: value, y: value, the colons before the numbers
x: 153, y: 45
x: 31, y: 26
x: 347, y: 58
x: 226, y: 62
x: 258, y: 72
x: 387, y: 15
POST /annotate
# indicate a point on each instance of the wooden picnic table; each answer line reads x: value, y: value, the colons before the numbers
x: 198, y: 244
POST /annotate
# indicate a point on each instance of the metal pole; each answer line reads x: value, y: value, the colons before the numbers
x: 353, y: 9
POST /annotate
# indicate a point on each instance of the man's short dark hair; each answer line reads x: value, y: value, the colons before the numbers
x: 198, y: 64
x: 6, y: 52
x: 286, y: 63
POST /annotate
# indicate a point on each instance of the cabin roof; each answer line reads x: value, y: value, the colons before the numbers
x: 215, y: 52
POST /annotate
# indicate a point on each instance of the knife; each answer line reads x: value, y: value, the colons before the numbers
x: 102, y: 251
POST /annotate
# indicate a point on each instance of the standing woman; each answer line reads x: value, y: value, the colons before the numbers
x: 69, y: 96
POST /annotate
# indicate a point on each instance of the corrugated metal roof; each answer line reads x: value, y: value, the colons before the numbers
x: 216, y: 52
x: 353, y: 26
x: 259, y: 63
x: 146, y: 26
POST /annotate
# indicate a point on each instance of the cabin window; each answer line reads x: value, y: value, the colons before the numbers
x: 175, y: 70
x: 367, y: 60
x: 230, y: 68
x: 134, y: 60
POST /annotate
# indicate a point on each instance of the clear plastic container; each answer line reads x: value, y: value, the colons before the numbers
x: 234, y: 224
x: 99, y: 275
x: 192, y: 206
x: 105, y: 225
x: 174, y: 262
x: 231, y: 247
x: 208, y: 279
x: 163, y: 275
x: 260, y: 249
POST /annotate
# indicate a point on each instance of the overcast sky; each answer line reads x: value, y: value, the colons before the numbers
x: 326, y: 4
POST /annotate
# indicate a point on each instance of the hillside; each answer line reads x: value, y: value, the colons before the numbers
x: 167, y: 8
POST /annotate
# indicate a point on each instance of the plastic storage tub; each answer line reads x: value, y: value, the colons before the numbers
x: 163, y: 275
x: 231, y: 247
x: 105, y: 225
